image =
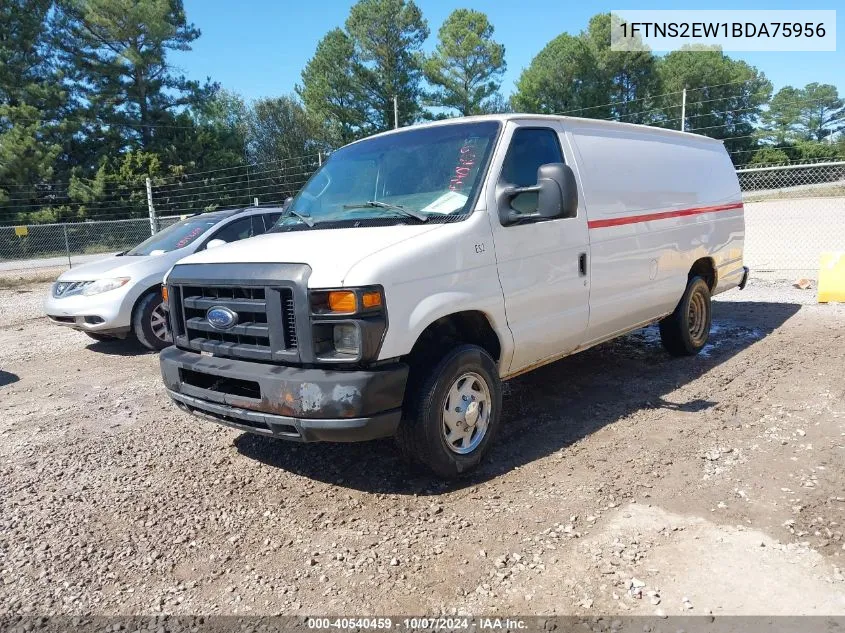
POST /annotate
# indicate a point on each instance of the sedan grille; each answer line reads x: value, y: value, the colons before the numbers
x: 68, y: 288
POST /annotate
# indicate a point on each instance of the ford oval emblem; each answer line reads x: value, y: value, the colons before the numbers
x: 221, y: 318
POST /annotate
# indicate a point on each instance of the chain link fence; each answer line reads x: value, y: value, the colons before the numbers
x: 34, y: 248
x: 793, y: 213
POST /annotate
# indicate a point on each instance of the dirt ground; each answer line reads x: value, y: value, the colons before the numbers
x: 624, y: 482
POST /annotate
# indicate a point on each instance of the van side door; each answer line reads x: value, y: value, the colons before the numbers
x: 542, y: 263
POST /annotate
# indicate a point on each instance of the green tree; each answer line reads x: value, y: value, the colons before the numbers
x: 31, y: 103
x: 281, y: 132
x: 387, y: 36
x: 119, y: 183
x: 26, y: 154
x: 331, y: 91
x: 780, y: 116
x: 467, y: 66
x: 810, y: 113
x: 563, y: 77
x: 115, y: 52
x: 725, y: 96
x: 628, y: 79
x: 210, y: 136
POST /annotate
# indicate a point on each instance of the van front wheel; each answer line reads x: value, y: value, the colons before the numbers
x: 450, y: 421
x: 686, y: 330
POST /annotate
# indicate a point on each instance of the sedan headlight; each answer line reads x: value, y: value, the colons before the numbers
x: 104, y: 285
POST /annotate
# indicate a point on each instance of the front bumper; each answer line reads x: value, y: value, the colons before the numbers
x: 106, y: 313
x: 288, y: 402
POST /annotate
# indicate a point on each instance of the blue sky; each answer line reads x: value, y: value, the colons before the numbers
x: 259, y: 47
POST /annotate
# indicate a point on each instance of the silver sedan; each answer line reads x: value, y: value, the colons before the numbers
x: 121, y: 295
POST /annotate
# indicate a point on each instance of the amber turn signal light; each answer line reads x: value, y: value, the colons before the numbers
x: 164, y: 293
x: 371, y: 300
x: 341, y: 301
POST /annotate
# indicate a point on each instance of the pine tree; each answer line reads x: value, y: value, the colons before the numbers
x: 388, y: 36
x: 331, y: 92
x: 115, y: 52
x: 467, y: 66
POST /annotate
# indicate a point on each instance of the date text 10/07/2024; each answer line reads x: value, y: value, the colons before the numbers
x: 418, y: 623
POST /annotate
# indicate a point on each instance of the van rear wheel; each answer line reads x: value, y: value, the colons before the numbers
x: 451, y: 419
x: 686, y: 330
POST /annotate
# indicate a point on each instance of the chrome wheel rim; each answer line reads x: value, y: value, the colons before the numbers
x: 466, y: 413
x: 697, y: 319
x: 158, y: 323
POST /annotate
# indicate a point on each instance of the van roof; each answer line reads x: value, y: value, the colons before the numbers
x: 514, y: 116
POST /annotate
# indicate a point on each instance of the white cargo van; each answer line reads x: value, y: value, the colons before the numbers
x: 420, y: 268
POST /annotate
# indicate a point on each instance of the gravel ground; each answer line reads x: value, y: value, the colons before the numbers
x: 623, y: 482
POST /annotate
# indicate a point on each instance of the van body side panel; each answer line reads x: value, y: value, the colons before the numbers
x: 447, y: 270
x: 656, y: 203
x: 546, y: 297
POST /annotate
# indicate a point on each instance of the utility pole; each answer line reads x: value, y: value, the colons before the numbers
x: 395, y: 112
x: 151, y: 208
x: 67, y: 247
x: 683, y: 109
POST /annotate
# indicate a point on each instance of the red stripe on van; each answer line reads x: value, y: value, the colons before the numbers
x: 633, y: 219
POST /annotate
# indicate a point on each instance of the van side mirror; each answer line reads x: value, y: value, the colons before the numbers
x: 286, y: 203
x: 556, y: 191
x: 215, y: 243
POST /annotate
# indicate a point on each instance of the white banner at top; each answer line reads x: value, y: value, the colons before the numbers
x: 729, y: 30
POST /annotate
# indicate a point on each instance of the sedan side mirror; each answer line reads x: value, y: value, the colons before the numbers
x: 556, y: 191
x: 215, y: 243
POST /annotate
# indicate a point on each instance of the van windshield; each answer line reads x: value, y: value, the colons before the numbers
x: 176, y: 236
x: 417, y: 175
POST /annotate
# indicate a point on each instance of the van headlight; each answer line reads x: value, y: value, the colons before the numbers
x: 348, y: 324
x: 347, y: 338
x: 104, y: 285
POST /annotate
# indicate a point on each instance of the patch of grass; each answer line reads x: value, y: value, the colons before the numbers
x: 8, y: 281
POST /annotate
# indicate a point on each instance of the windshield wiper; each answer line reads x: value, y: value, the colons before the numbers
x: 411, y: 213
x: 305, y: 218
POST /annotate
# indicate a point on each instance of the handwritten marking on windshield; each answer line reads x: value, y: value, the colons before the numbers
x: 466, y: 160
x: 189, y: 237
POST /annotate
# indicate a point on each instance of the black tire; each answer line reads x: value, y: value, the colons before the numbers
x: 142, y: 321
x: 421, y: 433
x: 100, y: 337
x: 686, y: 330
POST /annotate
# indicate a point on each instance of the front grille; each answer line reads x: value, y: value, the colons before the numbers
x: 265, y: 327
x: 69, y: 288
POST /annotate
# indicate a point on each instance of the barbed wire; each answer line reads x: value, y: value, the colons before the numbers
x: 191, y: 190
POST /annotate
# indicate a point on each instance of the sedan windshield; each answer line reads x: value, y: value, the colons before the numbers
x: 176, y: 236
x: 417, y: 175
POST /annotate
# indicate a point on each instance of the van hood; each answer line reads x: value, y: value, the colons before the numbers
x: 330, y: 253
x: 123, y: 266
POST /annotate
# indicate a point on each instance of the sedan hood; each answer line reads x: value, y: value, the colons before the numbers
x: 123, y: 266
x: 330, y: 253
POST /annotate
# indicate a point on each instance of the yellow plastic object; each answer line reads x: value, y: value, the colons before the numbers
x: 341, y: 301
x: 371, y: 300
x: 832, y: 277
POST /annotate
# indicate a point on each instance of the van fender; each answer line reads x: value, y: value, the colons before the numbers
x: 433, y: 307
